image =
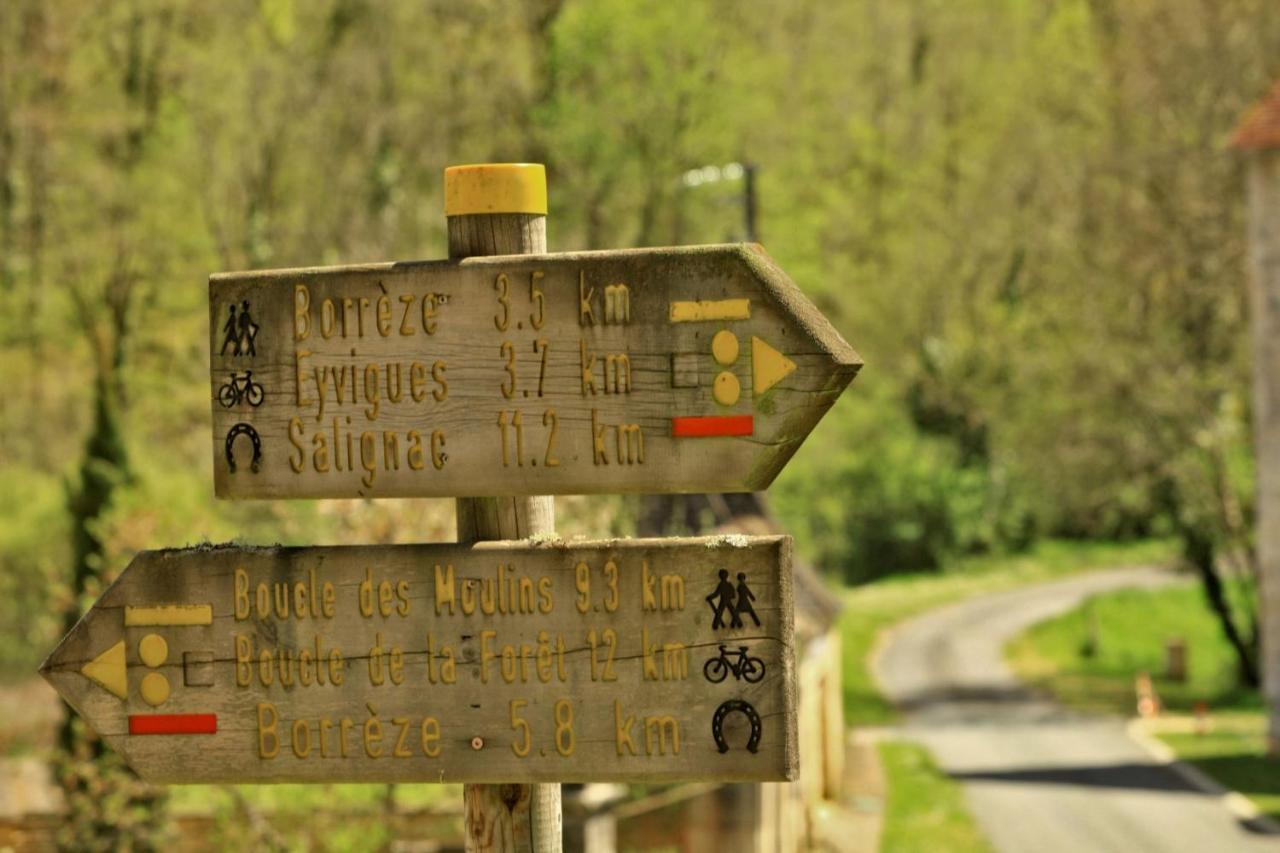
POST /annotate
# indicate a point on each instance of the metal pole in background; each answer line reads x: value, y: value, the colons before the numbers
x: 501, y: 209
x: 750, y: 207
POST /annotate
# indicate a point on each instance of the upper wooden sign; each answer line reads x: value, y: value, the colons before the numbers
x: 652, y: 370
x: 630, y: 660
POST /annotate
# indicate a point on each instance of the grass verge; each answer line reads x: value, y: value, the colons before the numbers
x: 870, y: 609
x: 1089, y: 658
x: 1233, y: 752
x: 925, y: 809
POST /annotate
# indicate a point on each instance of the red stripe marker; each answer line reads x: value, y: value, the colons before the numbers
x: 173, y: 724
x: 712, y: 426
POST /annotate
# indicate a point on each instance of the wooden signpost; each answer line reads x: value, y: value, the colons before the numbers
x: 626, y: 660
x: 650, y: 370
x: 501, y: 377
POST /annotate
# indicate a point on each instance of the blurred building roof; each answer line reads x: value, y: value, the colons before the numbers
x: 1261, y: 125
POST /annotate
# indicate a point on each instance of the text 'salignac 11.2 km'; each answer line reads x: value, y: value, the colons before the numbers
x: 655, y: 370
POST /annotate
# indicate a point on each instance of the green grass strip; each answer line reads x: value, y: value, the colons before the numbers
x: 925, y: 810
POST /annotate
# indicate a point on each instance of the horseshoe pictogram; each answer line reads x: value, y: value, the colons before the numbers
x: 727, y: 708
x: 234, y: 433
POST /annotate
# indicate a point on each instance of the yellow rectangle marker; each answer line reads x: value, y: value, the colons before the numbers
x: 168, y: 614
x: 704, y: 311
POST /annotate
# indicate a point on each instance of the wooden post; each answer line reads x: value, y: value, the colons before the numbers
x: 501, y: 209
x: 1259, y: 136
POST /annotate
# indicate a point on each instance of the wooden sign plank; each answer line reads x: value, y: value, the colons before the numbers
x: 652, y: 370
x: 620, y: 660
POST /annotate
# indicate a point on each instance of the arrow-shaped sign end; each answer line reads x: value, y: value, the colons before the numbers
x: 803, y: 312
x: 72, y: 657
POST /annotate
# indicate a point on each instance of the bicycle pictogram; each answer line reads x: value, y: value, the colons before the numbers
x: 742, y: 665
x: 240, y: 388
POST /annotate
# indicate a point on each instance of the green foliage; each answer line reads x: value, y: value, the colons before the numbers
x: 108, y: 808
x: 349, y: 817
x: 925, y: 809
x: 33, y: 556
x: 1234, y: 753
x: 1130, y: 630
x: 1020, y: 213
x: 872, y: 495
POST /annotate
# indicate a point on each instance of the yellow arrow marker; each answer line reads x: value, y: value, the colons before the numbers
x: 107, y: 670
x: 768, y: 366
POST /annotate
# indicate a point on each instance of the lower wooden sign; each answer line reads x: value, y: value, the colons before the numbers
x: 617, y: 660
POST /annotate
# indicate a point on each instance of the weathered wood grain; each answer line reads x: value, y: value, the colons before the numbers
x: 413, y: 665
x: 506, y: 817
x: 417, y: 391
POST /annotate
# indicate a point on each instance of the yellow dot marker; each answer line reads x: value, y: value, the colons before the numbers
x: 724, y: 346
x: 154, y: 689
x: 495, y: 188
x: 153, y: 650
x: 726, y: 389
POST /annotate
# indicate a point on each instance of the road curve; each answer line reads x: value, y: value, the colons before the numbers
x: 1038, y: 777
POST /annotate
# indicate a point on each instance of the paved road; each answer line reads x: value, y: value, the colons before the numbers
x: 1038, y: 777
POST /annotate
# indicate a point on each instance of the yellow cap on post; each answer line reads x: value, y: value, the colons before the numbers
x: 495, y: 188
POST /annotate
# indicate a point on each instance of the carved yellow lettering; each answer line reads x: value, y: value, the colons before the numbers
x: 598, y: 455
x: 301, y: 312
x: 244, y: 661
x: 320, y: 454
x: 373, y: 736
x: 545, y: 602
x: 368, y: 458
x: 406, y: 327
x: 586, y: 313
x: 441, y: 393
x: 444, y: 589
x: 328, y: 319
x: 418, y: 381
x: 486, y: 653
x: 416, y: 457
x: 402, y: 747
x: 372, y: 391
x: 438, y: 457
x: 384, y: 316
x: 301, y: 737
x: 430, y: 737
x: 347, y: 305
x: 322, y: 380
x: 242, y: 606
x: 296, y: 462
x: 345, y: 726
x: 429, y: 313
x: 268, y: 739
x: 657, y: 728
x: 325, y: 725
x: 622, y: 730
x: 587, y: 368
x: 299, y: 378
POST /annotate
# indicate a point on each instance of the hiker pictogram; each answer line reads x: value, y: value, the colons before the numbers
x: 239, y: 332
x: 733, y: 601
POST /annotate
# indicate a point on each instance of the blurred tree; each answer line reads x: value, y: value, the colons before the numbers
x: 1021, y: 215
